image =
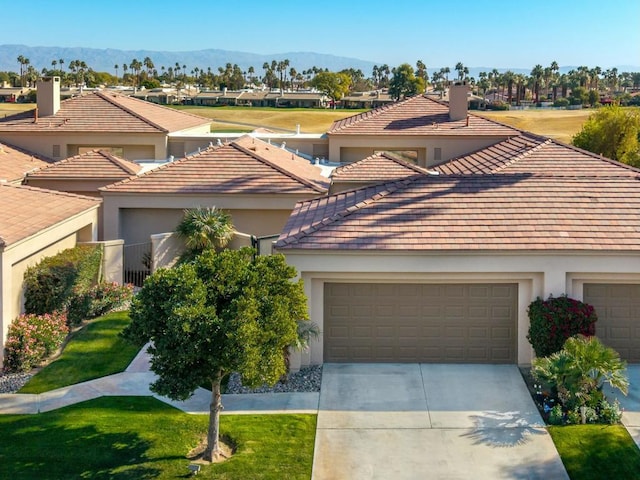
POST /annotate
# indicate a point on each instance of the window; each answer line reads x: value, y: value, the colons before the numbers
x: 56, y: 151
x: 437, y: 154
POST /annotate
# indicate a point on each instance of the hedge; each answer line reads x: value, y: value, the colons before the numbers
x: 55, y: 280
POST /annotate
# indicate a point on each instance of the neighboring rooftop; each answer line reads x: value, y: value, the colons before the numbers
x: 246, y: 165
x: 16, y: 162
x: 104, y: 112
x: 26, y: 210
x: 418, y: 115
x: 94, y: 164
x: 528, y: 153
x: 381, y: 167
x: 521, y: 212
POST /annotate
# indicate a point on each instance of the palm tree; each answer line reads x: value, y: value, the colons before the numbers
x: 116, y: 68
x: 460, y: 69
x: 21, y: 61
x: 536, y: 75
x: 204, y: 228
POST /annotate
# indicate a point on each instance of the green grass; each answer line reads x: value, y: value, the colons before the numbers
x: 93, y: 352
x: 311, y: 120
x: 141, y: 437
x: 597, y: 451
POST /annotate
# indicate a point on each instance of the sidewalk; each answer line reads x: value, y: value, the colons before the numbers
x: 135, y: 381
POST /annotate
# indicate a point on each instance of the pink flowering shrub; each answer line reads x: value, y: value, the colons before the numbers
x: 33, y: 338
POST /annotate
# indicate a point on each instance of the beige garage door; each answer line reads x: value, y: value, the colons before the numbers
x: 618, y: 309
x: 372, y: 322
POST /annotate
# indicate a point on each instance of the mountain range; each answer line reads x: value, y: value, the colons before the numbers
x: 104, y: 60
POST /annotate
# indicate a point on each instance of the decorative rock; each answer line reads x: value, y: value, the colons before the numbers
x: 308, y: 379
x: 12, y: 382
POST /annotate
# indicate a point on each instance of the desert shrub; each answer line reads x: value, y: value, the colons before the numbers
x: 51, y: 283
x: 553, y: 321
x: 561, y: 102
x: 575, y: 376
x: 33, y: 338
x: 98, y: 300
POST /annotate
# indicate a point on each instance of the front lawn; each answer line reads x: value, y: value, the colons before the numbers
x: 94, y: 351
x: 591, y: 452
x: 141, y: 437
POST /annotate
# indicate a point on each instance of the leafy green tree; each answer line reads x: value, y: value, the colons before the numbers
x: 224, y: 312
x: 205, y: 228
x: 612, y: 131
x: 334, y: 85
x: 404, y: 83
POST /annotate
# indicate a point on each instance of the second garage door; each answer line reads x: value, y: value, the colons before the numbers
x: 618, y: 310
x: 452, y: 323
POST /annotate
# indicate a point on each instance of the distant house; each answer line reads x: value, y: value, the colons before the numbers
x: 367, y: 100
x: 257, y: 183
x: 108, y: 121
x: 429, y: 130
x: 13, y: 94
x: 83, y: 174
x: 16, y: 162
x: 34, y: 224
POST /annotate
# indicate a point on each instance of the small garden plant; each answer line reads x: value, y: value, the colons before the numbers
x: 553, y: 321
x: 571, y: 381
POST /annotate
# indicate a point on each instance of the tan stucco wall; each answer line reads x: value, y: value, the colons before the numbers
x: 17, y: 257
x: 347, y: 148
x: 536, y: 275
x: 136, y: 146
x: 135, y: 217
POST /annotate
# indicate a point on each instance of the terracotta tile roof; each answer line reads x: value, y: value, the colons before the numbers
x: 105, y: 112
x: 16, y: 162
x: 380, y: 167
x: 512, y: 212
x: 417, y: 115
x: 533, y: 154
x: 26, y: 210
x: 247, y: 165
x: 95, y: 164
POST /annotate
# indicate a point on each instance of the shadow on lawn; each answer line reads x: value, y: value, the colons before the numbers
x: 54, y: 451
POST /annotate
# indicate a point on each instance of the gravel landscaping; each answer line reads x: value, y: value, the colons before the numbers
x: 12, y: 382
x: 308, y: 379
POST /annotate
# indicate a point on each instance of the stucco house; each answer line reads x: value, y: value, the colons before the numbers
x: 256, y: 182
x: 125, y: 126
x: 83, y: 174
x: 36, y: 223
x: 429, y: 130
x: 16, y: 162
x: 442, y: 267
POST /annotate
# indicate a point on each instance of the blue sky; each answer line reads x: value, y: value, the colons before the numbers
x: 490, y: 33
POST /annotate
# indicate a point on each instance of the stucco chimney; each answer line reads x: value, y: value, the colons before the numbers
x: 458, y: 106
x: 48, y: 96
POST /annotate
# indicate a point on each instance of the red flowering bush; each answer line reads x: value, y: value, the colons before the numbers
x: 553, y: 321
x: 33, y: 338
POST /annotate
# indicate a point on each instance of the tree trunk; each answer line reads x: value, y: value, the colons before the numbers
x: 213, y: 435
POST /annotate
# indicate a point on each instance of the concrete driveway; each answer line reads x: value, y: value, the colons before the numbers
x: 630, y: 403
x: 430, y: 421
